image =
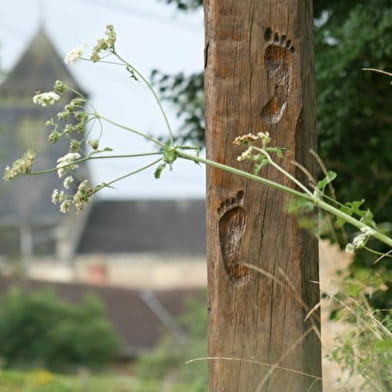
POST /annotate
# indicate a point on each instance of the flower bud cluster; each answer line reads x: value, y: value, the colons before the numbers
x: 360, y: 240
x: 73, y: 115
x: 250, y: 138
x: 245, y: 139
x: 20, y: 167
x: 94, y: 144
x: 59, y: 87
x: 78, y: 200
x: 247, y: 154
x: 83, y: 195
x: 103, y: 44
x: 78, y: 120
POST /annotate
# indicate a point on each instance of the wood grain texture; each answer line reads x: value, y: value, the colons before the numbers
x: 259, y: 76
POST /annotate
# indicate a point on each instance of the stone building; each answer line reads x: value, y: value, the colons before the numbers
x: 133, y: 243
x: 142, y: 258
x: 27, y: 218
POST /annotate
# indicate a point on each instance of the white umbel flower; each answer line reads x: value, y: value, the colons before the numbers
x: 45, y: 99
x: 66, y: 163
x: 65, y: 206
x: 20, y: 167
x: 75, y: 54
x: 68, y: 181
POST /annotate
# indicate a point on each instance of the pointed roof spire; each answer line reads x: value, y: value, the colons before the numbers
x: 37, y: 69
x: 41, y: 13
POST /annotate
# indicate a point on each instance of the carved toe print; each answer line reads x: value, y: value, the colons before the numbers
x: 277, y: 60
x: 231, y: 229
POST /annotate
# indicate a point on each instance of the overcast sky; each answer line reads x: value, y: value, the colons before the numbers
x: 150, y: 35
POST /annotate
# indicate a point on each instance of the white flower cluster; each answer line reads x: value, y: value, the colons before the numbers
x: 104, y: 44
x: 73, y: 119
x: 82, y: 196
x: 21, y: 166
x: 360, y: 240
x: 245, y: 139
x: 247, y: 154
x: 250, y: 137
x: 78, y: 200
x: 61, y: 197
x: 68, y: 181
x: 75, y: 54
x: 67, y: 163
x: 45, y: 99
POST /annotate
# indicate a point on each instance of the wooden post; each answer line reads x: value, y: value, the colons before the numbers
x: 260, y: 77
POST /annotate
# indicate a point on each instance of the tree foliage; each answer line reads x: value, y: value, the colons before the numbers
x: 354, y: 116
x: 186, y: 93
x: 185, y: 5
x: 40, y: 330
x: 353, y: 105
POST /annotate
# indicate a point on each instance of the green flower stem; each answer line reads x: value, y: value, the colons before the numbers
x: 150, y: 138
x: 148, y: 84
x: 80, y: 95
x: 145, y: 154
x: 242, y: 173
x: 375, y: 252
x: 352, y: 221
x: 314, y: 199
x: 103, y: 61
x: 284, y: 172
x: 142, y: 154
x: 108, y: 184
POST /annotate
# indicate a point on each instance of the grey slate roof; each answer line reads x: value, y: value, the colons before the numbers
x: 163, y: 226
x: 37, y: 69
x: 135, y: 322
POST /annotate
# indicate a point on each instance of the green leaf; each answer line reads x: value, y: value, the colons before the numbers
x: 321, y: 185
x: 367, y: 218
x: 279, y: 151
x: 257, y: 167
x: 131, y: 72
x: 383, y: 345
x: 347, y: 210
x: 298, y: 205
x: 158, y: 170
x: 354, y: 208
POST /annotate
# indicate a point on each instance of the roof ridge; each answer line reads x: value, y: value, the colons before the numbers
x: 37, y: 68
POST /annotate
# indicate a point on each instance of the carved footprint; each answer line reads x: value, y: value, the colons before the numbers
x: 278, y: 62
x: 231, y: 229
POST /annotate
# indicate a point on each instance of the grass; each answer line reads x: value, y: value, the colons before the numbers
x: 45, y: 381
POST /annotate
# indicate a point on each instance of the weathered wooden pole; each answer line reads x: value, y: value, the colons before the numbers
x: 260, y: 77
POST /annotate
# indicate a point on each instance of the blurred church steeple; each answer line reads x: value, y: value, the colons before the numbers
x: 25, y: 206
x: 37, y: 69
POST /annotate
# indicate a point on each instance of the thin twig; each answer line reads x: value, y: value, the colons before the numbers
x: 254, y: 362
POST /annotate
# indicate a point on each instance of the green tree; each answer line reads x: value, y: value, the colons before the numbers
x: 354, y: 120
x: 354, y: 115
x: 39, y: 329
x: 185, y: 5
